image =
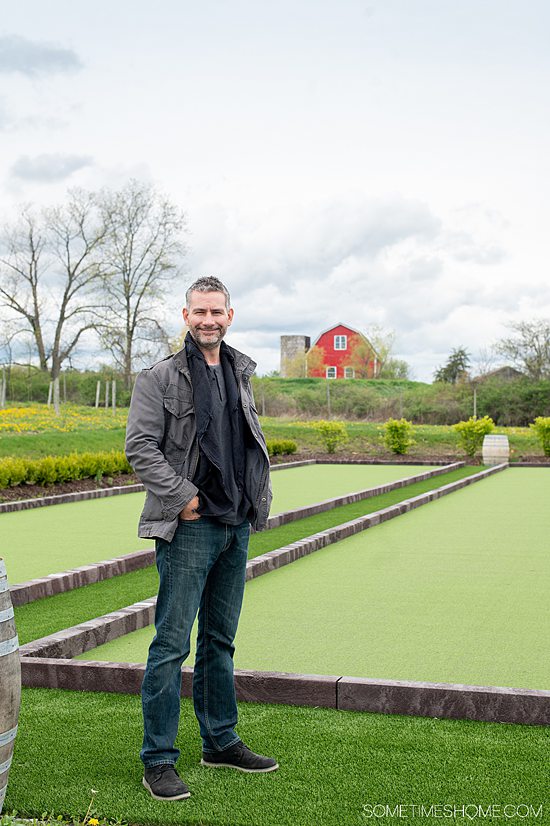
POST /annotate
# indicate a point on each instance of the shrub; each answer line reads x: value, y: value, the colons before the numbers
x: 333, y: 434
x: 12, y: 472
x: 541, y: 426
x: 471, y: 433
x: 281, y: 447
x: 68, y: 468
x: 398, y: 435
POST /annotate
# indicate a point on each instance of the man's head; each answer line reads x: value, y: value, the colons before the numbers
x: 207, y: 313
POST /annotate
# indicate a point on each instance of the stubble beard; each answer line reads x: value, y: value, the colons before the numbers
x: 208, y: 342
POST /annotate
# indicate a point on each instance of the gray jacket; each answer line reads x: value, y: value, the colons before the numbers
x: 162, y: 445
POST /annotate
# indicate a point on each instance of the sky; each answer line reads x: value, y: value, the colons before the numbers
x: 382, y: 162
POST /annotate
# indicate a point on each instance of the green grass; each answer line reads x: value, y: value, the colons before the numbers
x: 37, y: 445
x: 332, y: 764
x: 364, y: 440
x: 45, y: 616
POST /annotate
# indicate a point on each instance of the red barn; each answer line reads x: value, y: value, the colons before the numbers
x: 347, y: 352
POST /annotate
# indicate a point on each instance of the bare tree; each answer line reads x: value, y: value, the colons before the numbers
x: 485, y: 361
x: 22, y: 273
x: 50, y: 270
x: 529, y: 348
x: 77, y: 235
x: 143, y: 253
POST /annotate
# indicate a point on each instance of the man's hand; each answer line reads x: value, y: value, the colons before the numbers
x: 189, y: 513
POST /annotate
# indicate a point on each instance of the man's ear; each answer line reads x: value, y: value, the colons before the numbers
x: 230, y: 316
x: 185, y: 315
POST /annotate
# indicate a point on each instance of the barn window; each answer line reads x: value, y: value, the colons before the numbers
x: 331, y: 372
x: 340, y: 342
x: 349, y: 373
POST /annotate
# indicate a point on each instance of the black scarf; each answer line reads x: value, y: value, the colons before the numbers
x: 202, y: 400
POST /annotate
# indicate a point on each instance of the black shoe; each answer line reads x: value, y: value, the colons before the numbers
x: 164, y: 783
x: 239, y: 757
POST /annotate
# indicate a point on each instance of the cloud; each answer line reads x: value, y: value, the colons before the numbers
x: 436, y: 281
x: 31, y: 58
x: 289, y: 243
x: 48, y: 168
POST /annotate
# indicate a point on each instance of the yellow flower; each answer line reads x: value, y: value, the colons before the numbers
x: 93, y: 821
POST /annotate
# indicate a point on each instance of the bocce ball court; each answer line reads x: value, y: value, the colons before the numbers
x: 41, y: 541
x: 454, y: 592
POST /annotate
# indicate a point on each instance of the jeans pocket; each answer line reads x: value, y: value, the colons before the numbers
x: 192, y: 545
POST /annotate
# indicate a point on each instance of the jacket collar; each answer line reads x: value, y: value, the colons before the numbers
x: 243, y: 364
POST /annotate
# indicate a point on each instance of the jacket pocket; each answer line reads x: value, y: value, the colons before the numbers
x: 179, y: 419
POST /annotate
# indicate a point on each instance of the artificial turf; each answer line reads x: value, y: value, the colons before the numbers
x: 43, y: 617
x: 41, y: 541
x: 454, y: 592
x: 333, y: 764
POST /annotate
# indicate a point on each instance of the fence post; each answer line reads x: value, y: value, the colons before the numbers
x: 56, y: 395
x: 106, y: 393
x: 97, y: 393
x: 50, y: 389
x: 113, y: 395
x: 3, y: 389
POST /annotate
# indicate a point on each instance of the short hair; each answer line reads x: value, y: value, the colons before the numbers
x: 208, y: 284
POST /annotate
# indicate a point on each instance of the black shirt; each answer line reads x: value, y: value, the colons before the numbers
x: 235, y: 505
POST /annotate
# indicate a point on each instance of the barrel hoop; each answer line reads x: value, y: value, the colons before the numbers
x: 3, y: 586
x: 3, y: 795
x: 2, y: 568
x: 9, y: 646
x: 5, y: 766
x: 7, y: 736
x: 6, y: 615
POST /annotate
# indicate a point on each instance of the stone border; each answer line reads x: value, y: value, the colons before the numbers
x: 87, y: 635
x: 492, y: 704
x: 530, y: 464
x: 418, y: 699
x: 48, y: 586
x: 66, y: 498
x: 41, y: 587
x: 297, y: 463
x: 336, y: 461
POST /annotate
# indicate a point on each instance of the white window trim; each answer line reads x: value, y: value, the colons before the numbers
x: 346, y: 376
x: 345, y: 347
x: 335, y: 372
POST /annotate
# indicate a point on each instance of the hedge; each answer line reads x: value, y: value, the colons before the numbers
x: 281, y: 447
x: 67, y: 468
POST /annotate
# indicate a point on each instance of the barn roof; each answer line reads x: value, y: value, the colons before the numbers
x: 347, y: 326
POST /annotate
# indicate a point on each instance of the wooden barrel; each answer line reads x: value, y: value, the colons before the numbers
x: 10, y: 682
x: 496, y: 450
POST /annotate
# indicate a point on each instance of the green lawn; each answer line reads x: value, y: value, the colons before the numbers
x: 454, y: 592
x: 37, y: 445
x: 364, y: 439
x: 333, y: 764
x: 43, y: 617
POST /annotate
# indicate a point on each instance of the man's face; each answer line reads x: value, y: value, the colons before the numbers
x: 207, y: 318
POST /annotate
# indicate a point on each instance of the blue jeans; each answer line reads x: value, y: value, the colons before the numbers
x: 202, y: 569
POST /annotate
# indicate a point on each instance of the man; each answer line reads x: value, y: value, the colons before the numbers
x: 194, y: 440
